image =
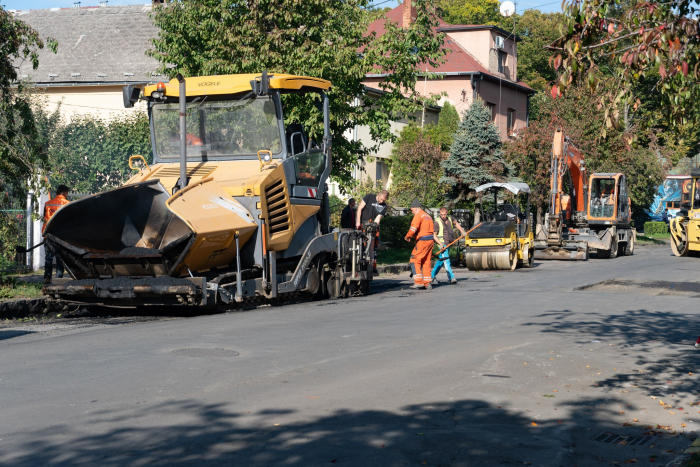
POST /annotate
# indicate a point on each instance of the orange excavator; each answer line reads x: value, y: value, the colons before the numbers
x: 584, y: 216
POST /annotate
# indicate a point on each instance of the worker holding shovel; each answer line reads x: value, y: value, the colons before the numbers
x: 444, y: 236
x: 422, y: 230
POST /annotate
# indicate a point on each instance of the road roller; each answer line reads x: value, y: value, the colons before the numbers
x: 504, y: 240
x: 685, y: 227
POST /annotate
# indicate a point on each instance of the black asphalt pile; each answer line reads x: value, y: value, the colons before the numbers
x: 137, y: 250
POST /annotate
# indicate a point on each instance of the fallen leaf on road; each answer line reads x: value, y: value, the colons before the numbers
x: 334, y: 461
x: 547, y: 395
x: 551, y: 359
x: 614, y: 369
x: 683, y: 425
x: 425, y: 463
x: 533, y: 424
x: 420, y: 434
x: 555, y: 391
x: 277, y: 424
x: 382, y: 445
x: 598, y: 373
x: 588, y: 366
x: 672, y: 413
x: 623, y: 391
x: 621, y: 412
x: 524, y: 363
x: 635, y: 419
x: 627, y: 424
x: 690, y: 373
x: 631, y: 461
x: 559, y: 421
x: 527, y: 463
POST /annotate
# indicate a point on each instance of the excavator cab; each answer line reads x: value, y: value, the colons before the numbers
x: 608, y: 203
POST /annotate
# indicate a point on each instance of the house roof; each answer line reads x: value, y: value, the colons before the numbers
x: 457, y: 60
x: 97, y: 45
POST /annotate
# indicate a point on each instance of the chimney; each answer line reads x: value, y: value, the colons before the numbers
x: 409, y: 13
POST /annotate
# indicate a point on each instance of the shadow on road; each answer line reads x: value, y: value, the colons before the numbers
x: 659, y: 342
x: 9, y: 334
x: 461, y: 433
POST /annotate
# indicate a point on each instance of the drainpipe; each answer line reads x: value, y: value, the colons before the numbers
x: 183, y: 132
x: 527, y: 112
x: 474, y: 82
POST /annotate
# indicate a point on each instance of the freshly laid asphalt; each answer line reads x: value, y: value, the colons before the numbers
x: 531, y: 367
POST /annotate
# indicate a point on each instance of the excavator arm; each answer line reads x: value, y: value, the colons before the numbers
x: 567, y: 160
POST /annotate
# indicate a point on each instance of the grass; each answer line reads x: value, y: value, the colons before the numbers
x: 402, y: 256
x: 11, y: 288
x: 394, y: 256
x: 655, y: 239
x: 694, y: 460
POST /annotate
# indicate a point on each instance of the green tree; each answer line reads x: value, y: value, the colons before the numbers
x: 91, y: 155
x: 537, y: 30
x: 442, y: 134
x: 470, y: 11
x: 319, y: 38
x: 530, y: 155
x: 21, y: 155
x: 581, y: 120
x: 611, y: 45
x: 476, y: 156
x: 416, y: 168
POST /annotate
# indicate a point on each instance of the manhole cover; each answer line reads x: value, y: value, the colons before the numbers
x: 610, y: 438
x: 207, y: 353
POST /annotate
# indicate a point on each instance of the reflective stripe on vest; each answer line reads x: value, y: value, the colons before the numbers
x: 441, y: 232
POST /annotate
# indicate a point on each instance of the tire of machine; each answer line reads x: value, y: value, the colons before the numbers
x: 680, y: 248
x: 629, y: 246
x: 529, y: 254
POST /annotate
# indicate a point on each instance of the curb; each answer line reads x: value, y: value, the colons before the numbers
x: 24, y: 307
x: 393, y: 268
x: 695, y: 447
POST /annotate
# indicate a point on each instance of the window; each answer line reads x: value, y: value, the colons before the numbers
x: 511, y: 121
x: 492, y: 108
x: 226, y: 128
x: 382, y: 173
x: 502, y: 56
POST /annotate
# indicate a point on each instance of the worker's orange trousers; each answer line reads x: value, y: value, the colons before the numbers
x: 420, y: 257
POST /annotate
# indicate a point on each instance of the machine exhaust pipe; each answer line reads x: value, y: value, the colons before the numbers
x: 183, y: 131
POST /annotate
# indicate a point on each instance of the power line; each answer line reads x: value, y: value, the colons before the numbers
x: 537, y: 6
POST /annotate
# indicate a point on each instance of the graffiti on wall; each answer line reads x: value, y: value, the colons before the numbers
x: 668, y: 196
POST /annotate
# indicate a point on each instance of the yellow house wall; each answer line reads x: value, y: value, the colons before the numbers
x: 101, y: 101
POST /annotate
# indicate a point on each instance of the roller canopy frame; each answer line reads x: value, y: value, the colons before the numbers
x: 514, y: 187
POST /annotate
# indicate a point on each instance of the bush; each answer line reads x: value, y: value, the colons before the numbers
x: 653, y: 228
x: 394, y: 229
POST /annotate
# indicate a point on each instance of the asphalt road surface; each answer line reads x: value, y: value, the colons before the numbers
x: 534, y: 367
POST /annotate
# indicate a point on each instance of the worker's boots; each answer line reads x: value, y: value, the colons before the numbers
x: 418, y: 287
x: 453, y: 281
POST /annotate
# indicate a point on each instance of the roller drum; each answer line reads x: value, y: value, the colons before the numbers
x: 480, y: 260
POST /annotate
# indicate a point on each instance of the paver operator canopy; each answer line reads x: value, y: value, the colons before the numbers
x: 249, y: 178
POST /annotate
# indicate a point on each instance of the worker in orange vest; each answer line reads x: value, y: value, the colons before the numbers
x: 50, y: 209
x: 422, y: 229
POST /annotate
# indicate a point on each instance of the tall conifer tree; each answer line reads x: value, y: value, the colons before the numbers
x: 475, y: 156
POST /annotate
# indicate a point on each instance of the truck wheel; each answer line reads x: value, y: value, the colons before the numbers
x: 611, y: 253
x: 614, y: 248
x: 629, y: 246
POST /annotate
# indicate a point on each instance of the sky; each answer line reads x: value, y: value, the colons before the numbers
x: 546, y: 6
